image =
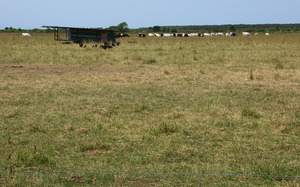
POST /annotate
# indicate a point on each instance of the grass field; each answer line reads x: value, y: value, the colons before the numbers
x: 214, y: 105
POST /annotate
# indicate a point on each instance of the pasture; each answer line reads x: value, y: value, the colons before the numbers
x: 212, y: 105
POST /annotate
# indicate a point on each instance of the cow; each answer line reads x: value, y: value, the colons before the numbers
x: 233, y: 34
x: 142, y: 35
x: 194, y: 35
x: 219, y: 34
x: 151, y: 34
x: 256, y: 34
x: 121, y: 35
x: 26, y: 35
x: 267, y: 34
x: 227, y: 34
x: 167, y: 35
x: 206, y: 34
x: 157, y: 35
x: 245, y: 33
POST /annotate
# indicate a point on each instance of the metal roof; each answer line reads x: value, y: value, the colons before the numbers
x: 59, y: 27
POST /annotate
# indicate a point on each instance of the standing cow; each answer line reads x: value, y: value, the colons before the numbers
x: 245, y: 33
x: 26, y: 35
x: 219, y: 34
x: 167, y: 35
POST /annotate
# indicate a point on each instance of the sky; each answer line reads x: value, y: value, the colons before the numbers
x: 29, y: 14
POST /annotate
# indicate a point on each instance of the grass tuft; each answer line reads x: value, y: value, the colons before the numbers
x: 251, y: 113
x: 150, y: 61
x: 168, y: 128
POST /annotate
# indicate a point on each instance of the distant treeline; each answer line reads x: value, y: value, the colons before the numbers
x: 11, y: 29
x: 223, y: 28
x: 280, y: 28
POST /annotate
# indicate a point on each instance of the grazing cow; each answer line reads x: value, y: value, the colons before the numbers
x: 206, y: 34
x: 167, y: 35
x: 245, y: 33
x: 26, y: 35
x: 194, y: 35
x: 151, y: 34
x: 142, y: 35
x: 179, y: 34
x: 219, y: 34
x: 157, y: 35
x: 233, y: 34
x: 121, y: 35
x: 267, y: 34
x: 256, y: 34
x: 227, y: 34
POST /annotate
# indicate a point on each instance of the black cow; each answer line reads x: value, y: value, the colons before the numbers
x: 125, y: 35
x: 121, y: 35
x: 142, y: 35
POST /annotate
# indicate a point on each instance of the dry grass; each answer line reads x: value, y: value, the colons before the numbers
x: 187, y: 105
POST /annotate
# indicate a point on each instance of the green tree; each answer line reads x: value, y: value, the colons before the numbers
x: 113, y: 28
x: 150, y: 29
x: 250, y: 29
x: 156, y: 28
x: 232, y: 28
x: 216, y: 29
x: 122, y: 27
x: 174, y: 30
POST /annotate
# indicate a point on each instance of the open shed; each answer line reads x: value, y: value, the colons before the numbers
x: 79, y: 35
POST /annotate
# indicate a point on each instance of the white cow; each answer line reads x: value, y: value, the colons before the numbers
x: 26, y: 35
x: 193, y: 35
x: 256, y: 34
x: 267, y: 34
x: 219, y: 34
x: 167, y: 35
x: 206, y: 34
x: 157, y: 35
x: 245, y: 33
x: 227, y: 34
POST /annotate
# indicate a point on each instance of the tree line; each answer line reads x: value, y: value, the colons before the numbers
x: 120, y: 28
x: 17, y: 30
x: 223, y: 28
x: 123, y: 28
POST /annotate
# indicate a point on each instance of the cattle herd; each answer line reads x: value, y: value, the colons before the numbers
x: 196, y: 34
x: 178, y: 34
